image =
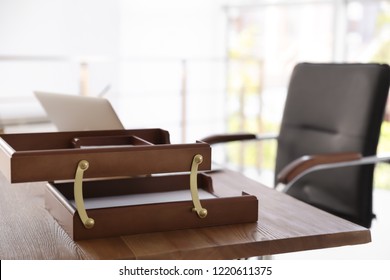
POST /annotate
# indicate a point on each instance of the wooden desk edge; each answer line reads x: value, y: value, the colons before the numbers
x: 116, y: 248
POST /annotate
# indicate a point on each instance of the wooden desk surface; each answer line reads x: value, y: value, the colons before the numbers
x: 27, y: 231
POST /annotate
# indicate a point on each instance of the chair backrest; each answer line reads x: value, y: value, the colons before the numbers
x: 332, y: 108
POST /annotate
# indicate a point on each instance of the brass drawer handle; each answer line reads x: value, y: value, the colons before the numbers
x: 78, y: 194
x: 196, y: 161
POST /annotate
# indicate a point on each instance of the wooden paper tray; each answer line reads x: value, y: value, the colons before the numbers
x: 110, y: 153
x: 160, y: 209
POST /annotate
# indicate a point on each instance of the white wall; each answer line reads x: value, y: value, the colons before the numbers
x: 59, y: 27
x: 172, y: 28
x: 156, y: 36
x: 145, y: 39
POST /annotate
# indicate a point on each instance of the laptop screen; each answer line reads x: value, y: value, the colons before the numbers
x: 76, y: 112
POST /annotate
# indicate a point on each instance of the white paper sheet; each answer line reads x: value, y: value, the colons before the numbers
x: 139, y: 199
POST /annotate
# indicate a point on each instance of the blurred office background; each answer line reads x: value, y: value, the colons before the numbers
x: 193, y: 67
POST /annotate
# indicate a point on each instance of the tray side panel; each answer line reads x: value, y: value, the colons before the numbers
x: 63, y: 140
x: 166, y: 217
x: 59, y: 209
x: 30, y: 167
x: 5, y: 159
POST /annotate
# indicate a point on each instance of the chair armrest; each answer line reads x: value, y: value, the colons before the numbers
x: 323, y: 166
x: 292, y: 170
x: 223, y: 138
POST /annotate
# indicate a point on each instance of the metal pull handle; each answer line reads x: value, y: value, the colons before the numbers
x: 196, y: 161
x: 78, y: 194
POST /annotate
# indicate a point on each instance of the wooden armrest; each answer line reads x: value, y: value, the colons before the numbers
x: 223, y: 138
x: 295, y: 168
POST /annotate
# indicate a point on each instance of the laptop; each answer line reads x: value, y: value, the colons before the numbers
x: 77, y: 113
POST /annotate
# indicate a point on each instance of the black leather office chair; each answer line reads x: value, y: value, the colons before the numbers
x: 332, y: 117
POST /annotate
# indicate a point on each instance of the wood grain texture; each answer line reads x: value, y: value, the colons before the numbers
x: 285, y: 225
x: 27, y: 231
